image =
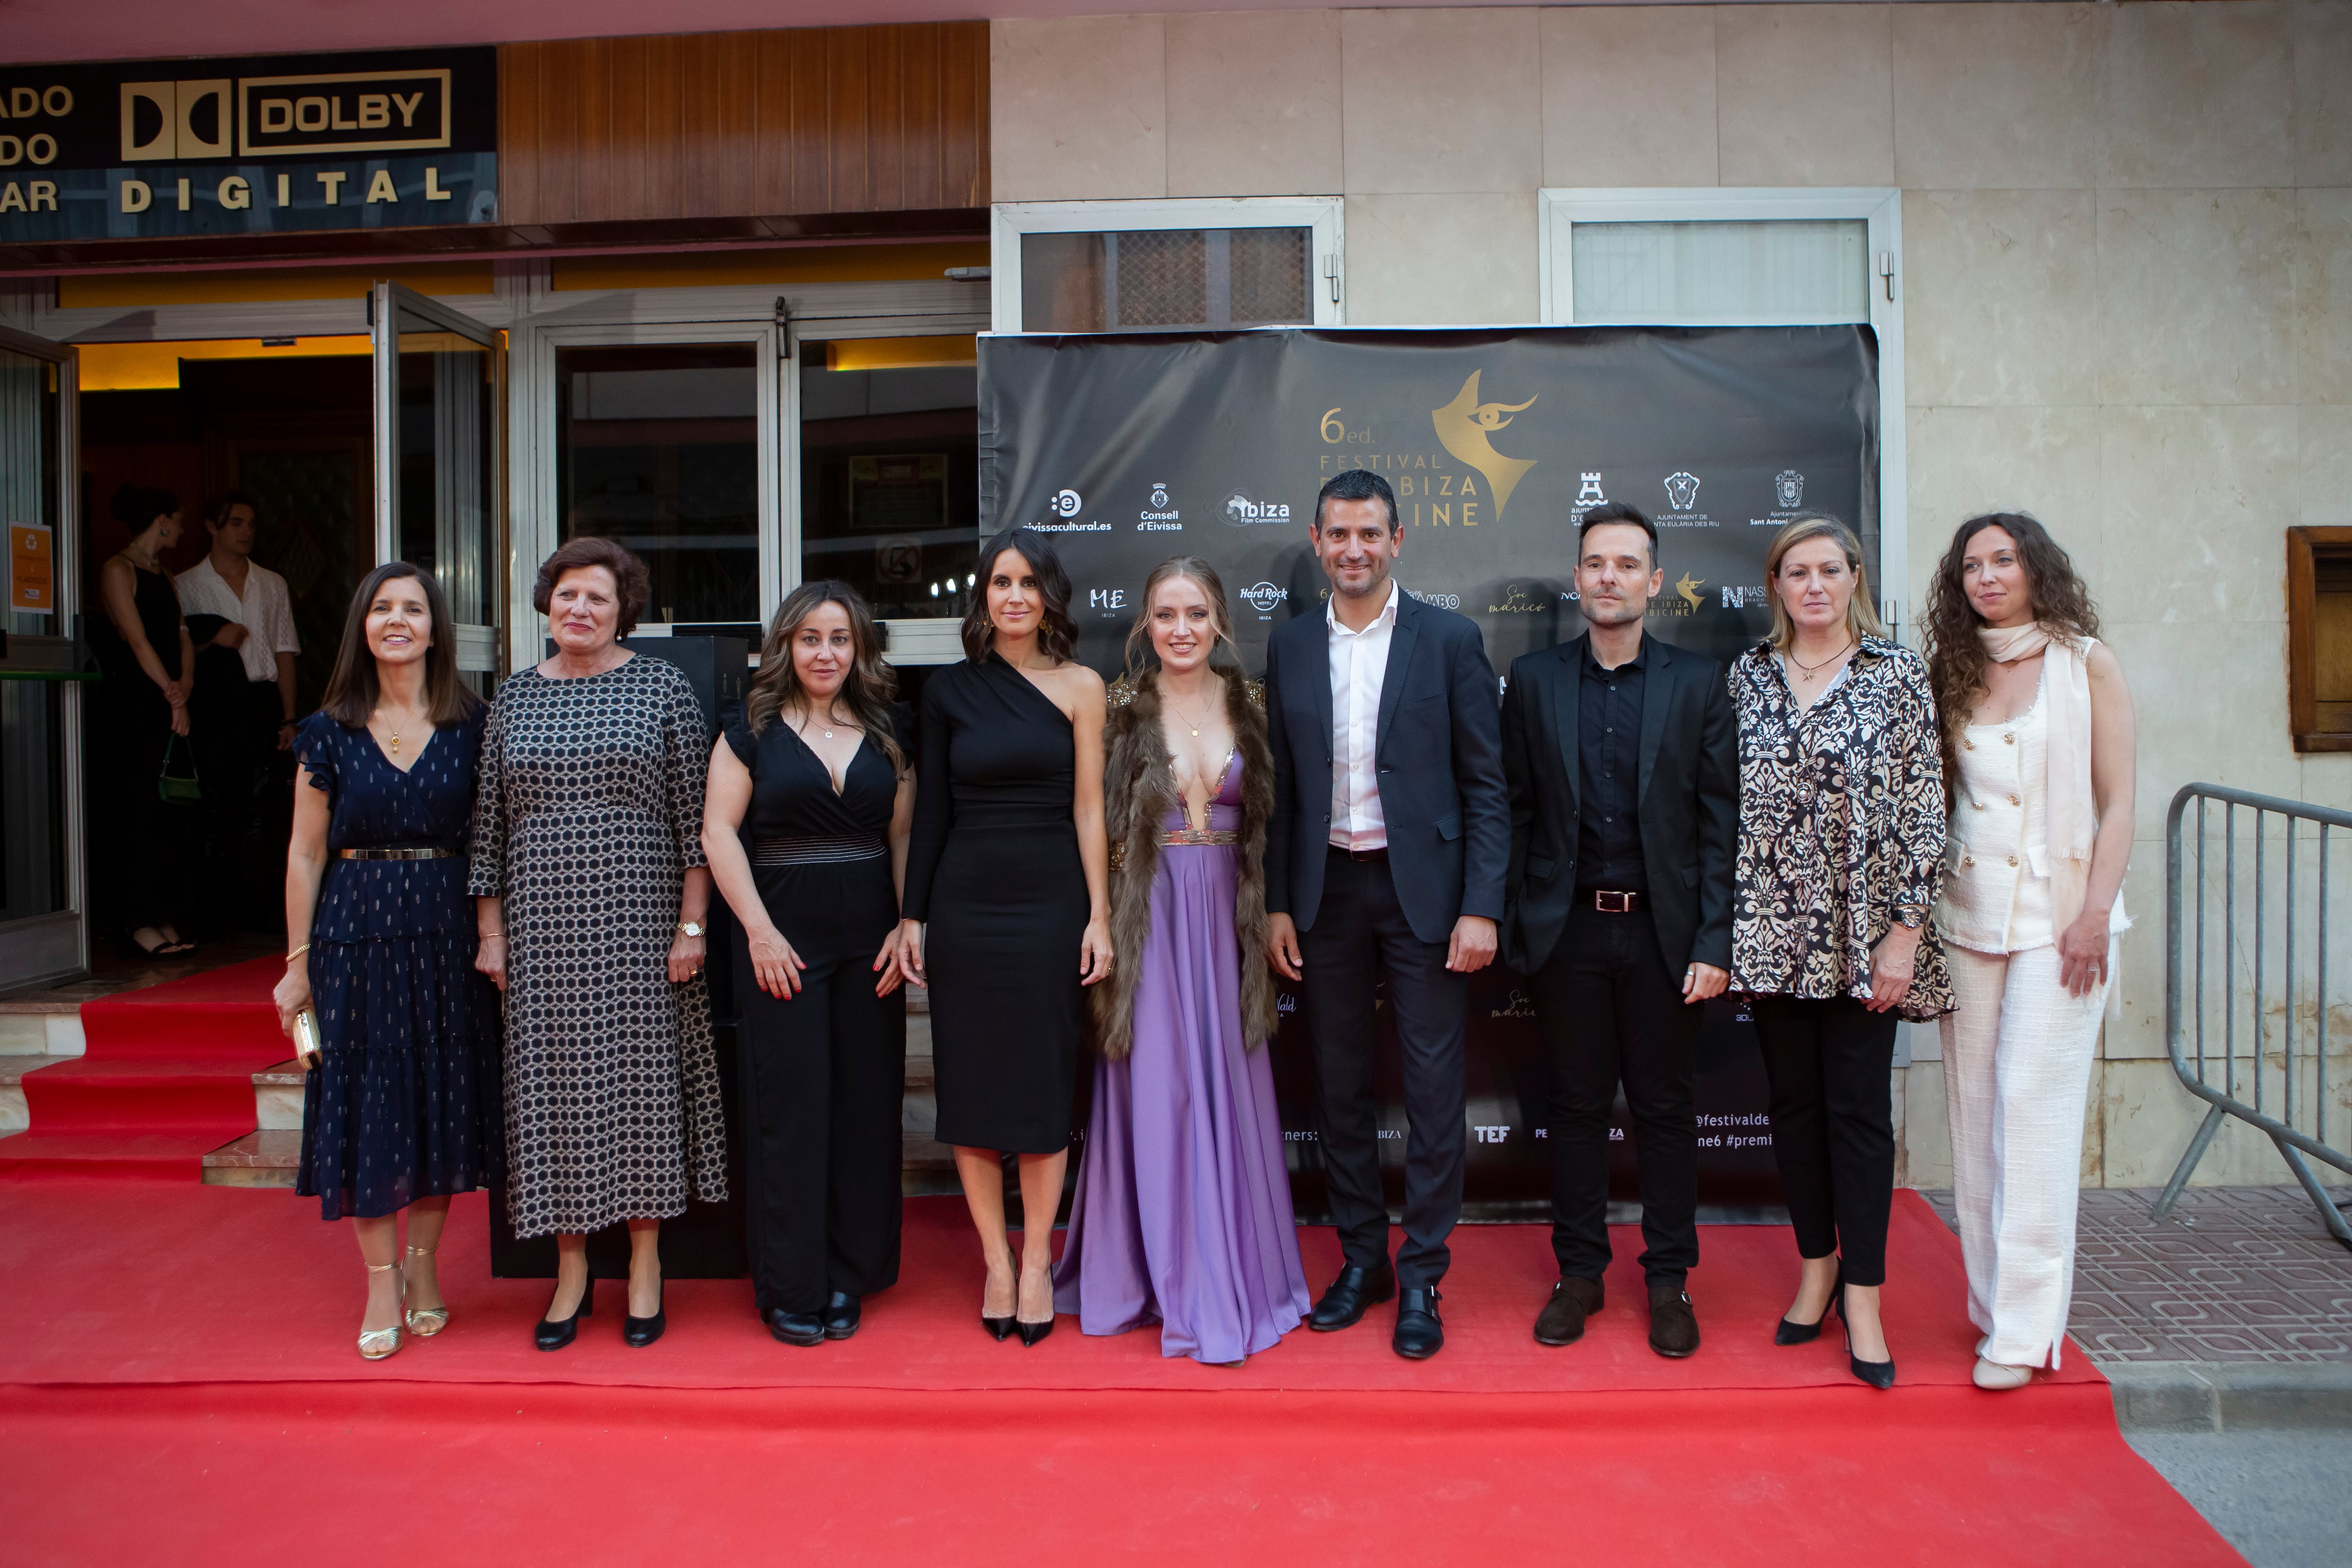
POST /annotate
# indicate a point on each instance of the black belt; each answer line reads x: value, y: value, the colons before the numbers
x: 818, y: 851
x: 1611, y: 902
x: 1370, y: 857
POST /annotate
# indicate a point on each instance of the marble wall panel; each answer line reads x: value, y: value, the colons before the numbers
x: 2324, y: 484
x: 1999, y: 97
x: 1805, y: 95
x: 2322, y: 295
x: 1446, y: 100
x: 1440, y: 261
x: 2196, y: 498
x: 2321, y: 33
x: 2211, y: 699
x: 2200, y: 95
x: 1629, y: 95
x: 1254, y: 104
x: 2196, y: 296
x: 2002, y: 299
x: 1078, y: 108
x: 2042, y: 460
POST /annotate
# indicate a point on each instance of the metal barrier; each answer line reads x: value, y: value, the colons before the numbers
x: 2282, y: 1061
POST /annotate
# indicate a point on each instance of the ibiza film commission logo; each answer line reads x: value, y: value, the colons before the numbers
x: 1464, y: 426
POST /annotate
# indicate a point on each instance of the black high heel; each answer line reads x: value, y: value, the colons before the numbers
x: 999, y: 1327
x: 638, y: 1332
x: 550, y: 1336
x: 1032, y: 1333
x: 1792, y: 1333
x: 1879, y: 1375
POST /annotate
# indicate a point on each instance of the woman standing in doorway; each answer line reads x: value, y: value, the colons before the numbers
x: 1009, y: 871
x: 590, y: 892
x: 808, y: 778
x: 2038, y: 739
x: 1840, y: 832
x: 401, y: 1108
x: 1183, y: 1215
x: 150, y: 664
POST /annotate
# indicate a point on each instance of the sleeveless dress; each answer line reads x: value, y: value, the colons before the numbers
x: 404, y: 1101
x: 822, y: 1075
x: 142, y: 844
x: 1183, y: 1211
x: 994, y: 871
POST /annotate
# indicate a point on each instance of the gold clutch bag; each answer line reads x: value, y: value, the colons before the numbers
x: 307, y: 1047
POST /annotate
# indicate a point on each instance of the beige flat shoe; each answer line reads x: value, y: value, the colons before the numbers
x: 377, y: 1343
x: 424, y: 1321
x: 1997, y: 1378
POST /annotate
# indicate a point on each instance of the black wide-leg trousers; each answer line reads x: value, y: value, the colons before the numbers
x: 1612, y: 1012
x: 1830, y: 1063
x: 822, y: 1078
x: 1359, y: 936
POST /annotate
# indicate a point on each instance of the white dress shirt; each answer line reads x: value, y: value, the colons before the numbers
x: 1359, y: 662
x: 265, y: 612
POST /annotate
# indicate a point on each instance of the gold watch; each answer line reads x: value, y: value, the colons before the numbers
x: 691, y: 928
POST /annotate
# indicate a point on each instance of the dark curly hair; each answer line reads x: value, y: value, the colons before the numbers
x: 629, y: 576
x: 1955, y: 658
x: 1057, y: 635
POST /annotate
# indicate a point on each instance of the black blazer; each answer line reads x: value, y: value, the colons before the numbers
x: 1687, y: 797
x: 1439, y: 755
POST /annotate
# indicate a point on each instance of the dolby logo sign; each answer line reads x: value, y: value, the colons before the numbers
x: 280, y: 116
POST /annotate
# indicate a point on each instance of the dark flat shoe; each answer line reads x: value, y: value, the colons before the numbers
x: 1573, y: 1299
x: 801, y: 1328
x: 1674, y: 1327
x: 1419, y: 1334
x: 550, y: 1336
x: 1355, y: 1292
x: 840, y: 1316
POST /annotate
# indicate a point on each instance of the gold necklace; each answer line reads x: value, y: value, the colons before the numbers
x: 1183, y: 721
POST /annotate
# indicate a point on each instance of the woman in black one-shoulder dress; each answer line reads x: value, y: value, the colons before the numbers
x: 1007, y: 904
x: 149, y: 661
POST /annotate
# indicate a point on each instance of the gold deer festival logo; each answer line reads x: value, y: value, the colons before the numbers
x: 1462, y: 427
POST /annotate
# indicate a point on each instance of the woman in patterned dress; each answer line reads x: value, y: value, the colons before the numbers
x: 1841, y: 835
x: 590, y: 889
x: 400, y: 1111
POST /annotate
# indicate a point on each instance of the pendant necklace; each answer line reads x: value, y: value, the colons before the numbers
x: 1815, y: 669
x: 1185, y: 722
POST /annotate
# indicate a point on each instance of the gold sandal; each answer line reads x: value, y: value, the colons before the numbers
x: 424, y: 1321
x: 377, y: 1343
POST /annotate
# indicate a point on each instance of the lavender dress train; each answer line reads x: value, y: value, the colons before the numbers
x: 1183, y: 1211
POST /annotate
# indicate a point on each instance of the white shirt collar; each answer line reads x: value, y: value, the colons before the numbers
x: 1382, y: 622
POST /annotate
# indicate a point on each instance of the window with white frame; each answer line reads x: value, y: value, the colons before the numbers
x: 1167, y: 266
x: 1713, y: 258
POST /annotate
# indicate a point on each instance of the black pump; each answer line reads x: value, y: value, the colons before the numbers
x: 550, y: 1336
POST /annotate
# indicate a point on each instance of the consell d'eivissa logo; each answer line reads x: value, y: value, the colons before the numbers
x: 1161, y: 516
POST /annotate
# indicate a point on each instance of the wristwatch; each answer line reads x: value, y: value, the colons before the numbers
x: 1910, y: 915
x: 691, y: 928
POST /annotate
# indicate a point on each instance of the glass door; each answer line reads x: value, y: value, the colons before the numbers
x: 43, y: 889
x: 440, y: 422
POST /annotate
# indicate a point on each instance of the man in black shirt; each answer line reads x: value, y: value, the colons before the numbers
x: 1622, y: 757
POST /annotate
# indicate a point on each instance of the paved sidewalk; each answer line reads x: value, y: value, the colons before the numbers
x: 2233, y: 1312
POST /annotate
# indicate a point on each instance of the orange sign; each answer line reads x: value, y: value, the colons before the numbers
x: 32, y: 568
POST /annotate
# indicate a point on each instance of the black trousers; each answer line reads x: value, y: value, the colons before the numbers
x: 1360, y: 935
x: 822, y: 1076
x: 1613, y: 1012
x: 1831, y: 1064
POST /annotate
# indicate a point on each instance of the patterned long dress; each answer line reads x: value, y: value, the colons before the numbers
x: 588, y: 817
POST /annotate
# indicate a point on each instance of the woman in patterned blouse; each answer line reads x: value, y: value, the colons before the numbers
x: 1841, y: 835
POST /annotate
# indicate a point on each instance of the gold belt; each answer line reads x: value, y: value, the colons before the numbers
x: 398, y: 854
x: 1201, y: 835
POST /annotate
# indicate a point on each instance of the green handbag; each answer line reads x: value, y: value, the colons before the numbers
x: 174, y: 789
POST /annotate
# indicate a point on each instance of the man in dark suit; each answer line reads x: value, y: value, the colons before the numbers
x: 1624, y: 760
x: 1384, y: 858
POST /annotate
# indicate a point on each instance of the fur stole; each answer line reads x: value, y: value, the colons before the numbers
x: 1139, y: 793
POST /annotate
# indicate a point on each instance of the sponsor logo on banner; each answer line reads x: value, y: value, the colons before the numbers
x: 1681, y: 502
x: 1442, y: 601
x: 1493, y: 1134
x: 1523, y: 599
x: 1242, y: 511
x: 1683, y: 599
x: 1741, y: 598
x: 1065, y: 503
x: 1518, y: 1007
x: 1263, y: 597
x: 1110, y: 601
x: 1161, y: 516
x: 1463, y: 429
x: 1789, y: 488
x: 1682, y: 491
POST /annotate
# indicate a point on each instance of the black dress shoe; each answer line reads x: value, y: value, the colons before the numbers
x: 550, y: 1335
x: 796, y: 1328
x: 1419, y: 1334
x: 1356, y: 1290
x: 638, y: 1332
x: 1674, y: 1327
x: 840, y: 1315
x: 1561, y: 1321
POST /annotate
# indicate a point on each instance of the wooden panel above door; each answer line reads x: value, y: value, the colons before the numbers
x: 727, y: 125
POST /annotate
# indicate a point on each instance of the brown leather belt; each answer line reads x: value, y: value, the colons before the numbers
x: 1609, y: 902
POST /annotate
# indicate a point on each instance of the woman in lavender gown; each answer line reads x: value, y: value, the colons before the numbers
x: 1182, y: 1213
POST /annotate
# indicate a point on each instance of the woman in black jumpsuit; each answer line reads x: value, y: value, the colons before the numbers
x: 806, y: 824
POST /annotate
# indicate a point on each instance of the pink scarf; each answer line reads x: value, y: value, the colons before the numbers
x: 2070, y: 817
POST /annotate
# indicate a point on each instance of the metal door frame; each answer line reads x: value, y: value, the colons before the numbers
x: 56, y: 653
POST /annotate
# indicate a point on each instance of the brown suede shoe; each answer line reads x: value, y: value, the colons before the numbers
x: 1561, y: 1323
x: 1674, y: 1327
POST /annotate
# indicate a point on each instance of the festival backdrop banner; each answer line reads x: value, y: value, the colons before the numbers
x: 1127, y: 449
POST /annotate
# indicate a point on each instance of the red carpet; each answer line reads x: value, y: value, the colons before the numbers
x: 168, y: 1077
x: 176, y: 1376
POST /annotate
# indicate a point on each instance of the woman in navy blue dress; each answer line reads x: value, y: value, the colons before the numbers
x: 401, y: 1109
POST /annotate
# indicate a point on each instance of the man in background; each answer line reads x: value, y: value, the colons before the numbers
x: 241, y: 713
